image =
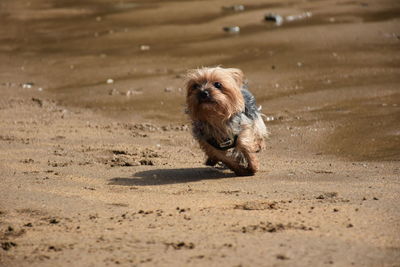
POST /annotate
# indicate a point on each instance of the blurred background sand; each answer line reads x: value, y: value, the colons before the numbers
x: 339, y: 63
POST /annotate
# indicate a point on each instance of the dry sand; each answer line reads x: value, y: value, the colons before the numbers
x: 95, y: 173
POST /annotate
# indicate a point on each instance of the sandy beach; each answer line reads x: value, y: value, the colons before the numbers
x: 98, y: 166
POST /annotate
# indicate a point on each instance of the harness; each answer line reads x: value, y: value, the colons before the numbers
x: 224, y: 145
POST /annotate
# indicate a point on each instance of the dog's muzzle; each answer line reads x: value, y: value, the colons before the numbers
x: 204, y: 95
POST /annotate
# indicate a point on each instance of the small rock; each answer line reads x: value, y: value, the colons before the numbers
x: 275, y: 18
x: 89, y: 188
x: 133, y: 92
x: 232, y: 29
x: 234, y: 8
x: 8, y: 245
x: 54, y: 221
x: 38, y: 101
x: 114, y: 92
x: 144, y: 48
x: 110, y: 81
x: 27, y: 85
x: 181, y: 245
x: 146, y: 162
x: 53, y: 248
x: 28, y: 160
x: 282, y: 257
x: 269, y: 118
x: 299, y: 16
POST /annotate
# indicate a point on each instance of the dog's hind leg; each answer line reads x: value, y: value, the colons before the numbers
x: 247, y: 146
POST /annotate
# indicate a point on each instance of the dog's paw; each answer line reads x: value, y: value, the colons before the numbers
x: 244, y: 172
x: 211, y: 162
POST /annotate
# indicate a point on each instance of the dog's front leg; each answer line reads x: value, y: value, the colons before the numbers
x: 220, y: 155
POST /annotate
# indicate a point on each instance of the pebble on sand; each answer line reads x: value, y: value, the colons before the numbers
x: 27, y: 85
x: 144, y: 48
x: 132, y: 92
x: 232, y: 29
x: 236, y: 8
x: 298, y: 16
x: 278, y: 19
x: 114, y: 92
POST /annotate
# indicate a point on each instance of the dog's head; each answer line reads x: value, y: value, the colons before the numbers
x: 214, y: 93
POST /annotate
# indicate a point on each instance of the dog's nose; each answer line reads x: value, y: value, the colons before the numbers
x: 204, y: 94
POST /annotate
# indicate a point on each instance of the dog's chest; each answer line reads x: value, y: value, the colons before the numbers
x: 222, y: 136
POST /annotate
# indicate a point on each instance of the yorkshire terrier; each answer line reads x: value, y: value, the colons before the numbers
x: 225, y: 119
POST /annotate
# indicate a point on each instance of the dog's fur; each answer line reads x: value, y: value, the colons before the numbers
x: 225, y: 119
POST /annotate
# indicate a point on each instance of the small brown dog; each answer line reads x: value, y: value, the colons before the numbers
x: 225, y: 119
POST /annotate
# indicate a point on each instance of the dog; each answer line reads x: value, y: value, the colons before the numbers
x: 225, y: 119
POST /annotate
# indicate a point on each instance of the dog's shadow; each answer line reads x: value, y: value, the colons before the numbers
x: 170, y: 176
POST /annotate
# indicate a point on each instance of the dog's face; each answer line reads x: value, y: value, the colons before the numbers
x: 214, y: 93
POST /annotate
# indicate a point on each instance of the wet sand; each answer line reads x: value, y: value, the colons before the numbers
x: 98, y: 166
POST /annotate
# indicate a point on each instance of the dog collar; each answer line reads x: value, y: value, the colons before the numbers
x: 224, y: 145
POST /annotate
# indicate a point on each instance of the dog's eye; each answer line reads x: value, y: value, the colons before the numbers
x: 196, y: 86
x: 217, y: 85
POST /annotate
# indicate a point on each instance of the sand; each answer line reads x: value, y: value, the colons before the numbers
x: 98, y: 166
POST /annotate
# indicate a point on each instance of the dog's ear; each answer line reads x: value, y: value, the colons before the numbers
x: 237, y: 75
